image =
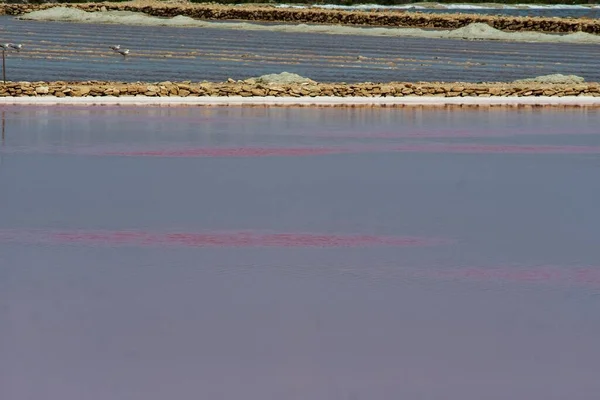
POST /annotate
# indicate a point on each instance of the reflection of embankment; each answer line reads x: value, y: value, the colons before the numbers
x: 209, y: 239
x: 394, y: 18
x: 254, y: 152
x: 444, y: 27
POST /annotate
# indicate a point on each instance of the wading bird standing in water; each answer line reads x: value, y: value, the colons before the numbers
x: 7, y: 47
x: 117, y: 49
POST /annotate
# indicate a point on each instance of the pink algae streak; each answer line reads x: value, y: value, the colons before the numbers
x: 460, y: 148
x: 495, y: 149
x: 209, y: 239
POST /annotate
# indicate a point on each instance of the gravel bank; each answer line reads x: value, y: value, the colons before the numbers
x: 255, y: 88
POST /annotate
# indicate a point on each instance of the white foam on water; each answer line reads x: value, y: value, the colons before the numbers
x: 368, y: 7
x: 466, y: 7
x: 458, y: 6
x: 553, y: 6
x: 474, y: 31
x: 289, y: 6
x: 433, y: 6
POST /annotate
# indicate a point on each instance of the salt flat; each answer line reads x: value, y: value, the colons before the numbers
x: 77, y: 52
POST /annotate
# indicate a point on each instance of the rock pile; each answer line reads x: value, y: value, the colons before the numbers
x: 250, y: 87
x: 387, y: 18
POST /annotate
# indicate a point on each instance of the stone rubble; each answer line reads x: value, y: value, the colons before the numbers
x: 252, y: 88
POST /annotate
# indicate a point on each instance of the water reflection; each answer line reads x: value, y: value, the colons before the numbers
x: 457, y: 260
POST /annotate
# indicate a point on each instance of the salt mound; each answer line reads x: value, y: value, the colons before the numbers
x: 554, y: 78
x: 482, y: 31
x: 474, y: 31
x: 67, y: 14
x: 56, y: 14
x: 283, y: 78
x: 477, y: 30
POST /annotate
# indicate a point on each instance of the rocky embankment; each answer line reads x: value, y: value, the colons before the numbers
x: 387, y: 18
x: 252, y: 87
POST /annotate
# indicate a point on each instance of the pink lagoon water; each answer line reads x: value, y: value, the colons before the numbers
x: 299, y: 253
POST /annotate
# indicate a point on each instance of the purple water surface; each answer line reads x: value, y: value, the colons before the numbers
x: 299, y: 253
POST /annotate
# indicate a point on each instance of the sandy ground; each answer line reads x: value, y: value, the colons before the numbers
x: 305, y: 101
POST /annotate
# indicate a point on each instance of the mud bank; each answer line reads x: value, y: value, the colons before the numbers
x: 252, y: 88
x: 385, y: 18
x: 473, y: 31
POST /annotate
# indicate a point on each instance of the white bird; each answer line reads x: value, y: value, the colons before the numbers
x: 17, y: 47
x: 116, y: 47
x: 5, y: 46
x: 123, y: 52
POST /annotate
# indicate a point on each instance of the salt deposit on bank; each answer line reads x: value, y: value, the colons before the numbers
x: 290, y: 78
x: 557, y: 79
x: 473, y: 31
x: 306, y: 101
x: 281, y: 78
